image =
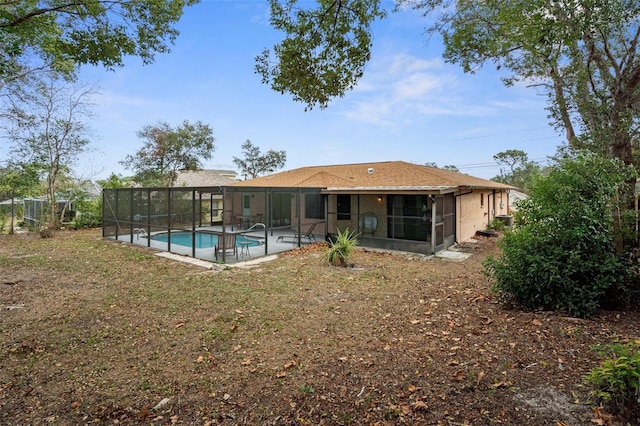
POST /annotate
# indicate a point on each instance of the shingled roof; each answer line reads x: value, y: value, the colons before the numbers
x: 205, y: 178
x: 389, y: 175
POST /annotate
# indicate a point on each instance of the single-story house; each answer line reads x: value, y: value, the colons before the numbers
x: 207, y: 178
x: 394, y: 204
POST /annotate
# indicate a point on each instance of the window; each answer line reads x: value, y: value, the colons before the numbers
x: 482, y: 199
x: 313, y: 206
x: 344, y: 206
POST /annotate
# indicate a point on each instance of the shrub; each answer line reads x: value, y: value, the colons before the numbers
x: 616, y: 381
x: 89, y: 214
x: 496, y: 225
x: 561, y: 253
x: 340, y: 249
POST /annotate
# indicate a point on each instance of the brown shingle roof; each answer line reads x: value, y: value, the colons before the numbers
x: 390, y: 175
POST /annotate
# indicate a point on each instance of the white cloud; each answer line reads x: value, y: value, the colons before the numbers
x: 403, y: 89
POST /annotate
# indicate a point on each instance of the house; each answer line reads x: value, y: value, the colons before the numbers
x: 207, y: 178
x: 393, y: 205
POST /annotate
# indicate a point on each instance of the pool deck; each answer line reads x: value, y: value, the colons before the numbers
x: 269, y: 244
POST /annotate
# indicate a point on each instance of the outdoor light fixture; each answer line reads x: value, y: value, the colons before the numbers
x: 379, y: 198
x: 424, y: 212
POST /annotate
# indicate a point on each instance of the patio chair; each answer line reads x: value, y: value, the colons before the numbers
x: 299, y: 236
x: 226, y: 245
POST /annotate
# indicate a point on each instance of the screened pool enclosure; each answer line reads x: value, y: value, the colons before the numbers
x: 196, y: 221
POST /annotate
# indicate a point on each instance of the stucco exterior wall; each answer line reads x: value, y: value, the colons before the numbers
x: 360, y: 204
x: 476, y: 210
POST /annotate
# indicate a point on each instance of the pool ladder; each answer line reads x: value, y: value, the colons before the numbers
x: 139, y: 232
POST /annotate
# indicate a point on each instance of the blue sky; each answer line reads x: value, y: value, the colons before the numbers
x: 409, y: 105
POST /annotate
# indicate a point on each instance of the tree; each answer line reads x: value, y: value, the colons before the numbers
x: 451, y: 167
x: 167, y: 150
x: 255, y: 164
x: 511, y: 158
x: 582, y: 54
x: 116, y: 181
x: 561, y: 253
x: 58, y: 35
x: 521, y: 170
x: 48, y: 126
x: 18, y: 180
x: 324, y: 52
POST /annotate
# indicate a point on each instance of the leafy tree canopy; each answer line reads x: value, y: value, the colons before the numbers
x: 254, y: 163
x: 57, y: 35
x: 116, y: 181
x: 47, y: 121
x: 521, y: 171
x: 451, y: 167
x: 324, y: 51
x: 583, y: 54
x: 167, y: 150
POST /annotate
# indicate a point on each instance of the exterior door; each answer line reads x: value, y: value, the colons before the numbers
x: 246, y: 204
x: 281, y: 209
x: 444, y: 222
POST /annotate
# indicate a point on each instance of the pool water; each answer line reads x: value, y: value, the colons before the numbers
x: 203, y: 240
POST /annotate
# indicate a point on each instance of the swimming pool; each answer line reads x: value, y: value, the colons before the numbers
x: 203, y: 239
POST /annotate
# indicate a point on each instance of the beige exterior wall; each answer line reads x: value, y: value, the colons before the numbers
x: 476, y: 210
x: 368, y: 204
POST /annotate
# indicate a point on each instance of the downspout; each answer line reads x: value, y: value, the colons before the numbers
x: 489, y: 207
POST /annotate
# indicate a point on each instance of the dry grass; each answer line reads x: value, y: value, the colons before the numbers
x: 95, y: 331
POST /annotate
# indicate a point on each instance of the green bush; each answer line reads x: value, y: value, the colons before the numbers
x: 496, y: 225
x: 340, y: 249
x: 615, y: 382
x: 561, y: 253
x: 90, y: 214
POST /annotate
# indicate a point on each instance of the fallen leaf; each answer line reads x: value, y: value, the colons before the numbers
x: 281, y: 374
x: 290, y: 364
x: 536, y: 322
x: 420, y: 406
x: 180, y: 324
x: 459, y: 375
x: 200, y: 359
x: 413, y: 388
x: 415, y: 321
x: 480, y: 377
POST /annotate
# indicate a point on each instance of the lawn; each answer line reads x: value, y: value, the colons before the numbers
x: 99, y: 332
